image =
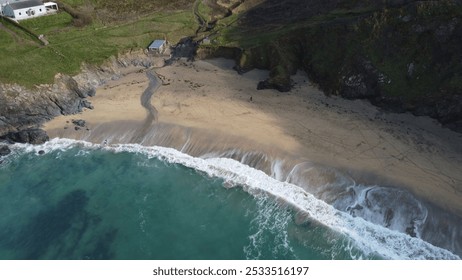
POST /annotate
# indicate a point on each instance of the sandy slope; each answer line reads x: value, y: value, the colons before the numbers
x: 208, y: 101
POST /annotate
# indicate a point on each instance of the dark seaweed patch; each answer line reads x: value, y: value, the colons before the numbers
x: 50, y: 225
x: 58, y: 232
x: 102, y: 249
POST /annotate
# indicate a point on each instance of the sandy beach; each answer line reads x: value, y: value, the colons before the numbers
x: 205, y: 107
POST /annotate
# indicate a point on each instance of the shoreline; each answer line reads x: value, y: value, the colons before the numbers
x: 205, y: 107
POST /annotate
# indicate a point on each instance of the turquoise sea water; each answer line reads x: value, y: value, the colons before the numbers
x: 83, y: 201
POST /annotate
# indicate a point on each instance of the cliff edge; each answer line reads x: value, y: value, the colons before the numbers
x: 401, y: 55
x: 24, y: 110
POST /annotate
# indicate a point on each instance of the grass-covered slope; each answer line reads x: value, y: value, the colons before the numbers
x: 114, y: 26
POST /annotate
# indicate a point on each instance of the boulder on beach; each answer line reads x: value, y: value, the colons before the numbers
x: 4, y: 150
x: 80, y: 123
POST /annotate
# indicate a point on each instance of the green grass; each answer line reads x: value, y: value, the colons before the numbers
x: 233, y: 34
x: 205, y: 11
x: 376, y: 35
x: 47, y: 24
x: 76, y: 3
x: 25, y: 62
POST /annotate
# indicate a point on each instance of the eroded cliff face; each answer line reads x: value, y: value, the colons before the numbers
x: 23, y: 110
x: 401, y: 59
x: 401, y: 55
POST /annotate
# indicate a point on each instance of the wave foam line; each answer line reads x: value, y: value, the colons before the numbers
x: 370, y: 238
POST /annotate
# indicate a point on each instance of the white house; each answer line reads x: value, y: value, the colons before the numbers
x: 51, y: 7
x: 24, y: 9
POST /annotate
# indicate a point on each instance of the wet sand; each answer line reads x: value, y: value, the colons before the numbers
x: 205, y: 107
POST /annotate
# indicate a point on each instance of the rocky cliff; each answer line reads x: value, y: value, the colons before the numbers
x: 23, y: 110
x: 401, y: 55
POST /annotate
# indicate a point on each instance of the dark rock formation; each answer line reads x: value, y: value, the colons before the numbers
x: 80, y: 123
x: 32, y: 136
x: 4, y: 151
x: 23, y: 110
x: 361, y: 81
x: 268, y: 84
x: 402, y: 55
x: 186, y: 48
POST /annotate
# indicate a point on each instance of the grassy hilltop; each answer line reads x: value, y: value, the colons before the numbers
x: 96, y: 30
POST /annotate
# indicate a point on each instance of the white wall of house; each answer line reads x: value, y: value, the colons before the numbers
x: 25, y: 13
x: 51, y: 7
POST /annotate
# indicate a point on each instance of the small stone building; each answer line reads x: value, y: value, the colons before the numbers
x: 157, y: 47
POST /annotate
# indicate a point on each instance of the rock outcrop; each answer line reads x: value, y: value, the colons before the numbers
x: 31, y: 135
x: 23, y: 110
x: 4, y: 150
x: 402, y: 55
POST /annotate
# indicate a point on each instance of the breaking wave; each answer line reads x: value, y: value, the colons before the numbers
x: 372, y: 239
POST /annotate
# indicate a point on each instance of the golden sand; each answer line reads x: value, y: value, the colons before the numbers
x: 205, y: 106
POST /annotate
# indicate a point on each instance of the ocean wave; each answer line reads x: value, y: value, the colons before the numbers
x: 370, y: 238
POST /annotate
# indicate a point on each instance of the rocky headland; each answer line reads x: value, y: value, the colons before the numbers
x: 24, y: 110
x: 403, y: 55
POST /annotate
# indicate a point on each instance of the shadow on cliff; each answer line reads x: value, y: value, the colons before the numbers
x: 403, y: 56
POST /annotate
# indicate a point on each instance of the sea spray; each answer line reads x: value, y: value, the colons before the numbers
x: 370, y: 238
x: 270, y: 217
x: 387, y: 206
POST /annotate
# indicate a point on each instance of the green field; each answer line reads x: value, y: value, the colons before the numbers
x: 24, y: 60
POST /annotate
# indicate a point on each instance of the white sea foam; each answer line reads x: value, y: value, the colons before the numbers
x: 273, y: 219
x: 370, y: 238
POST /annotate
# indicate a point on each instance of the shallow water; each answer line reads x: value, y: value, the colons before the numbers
x: 84, y: 201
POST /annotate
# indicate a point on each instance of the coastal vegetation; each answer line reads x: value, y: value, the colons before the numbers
x: 401, y: 55
x: 113, y: 28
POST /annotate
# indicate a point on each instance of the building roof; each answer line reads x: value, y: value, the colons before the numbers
x: 26, y: 4
x: 156, y: 44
